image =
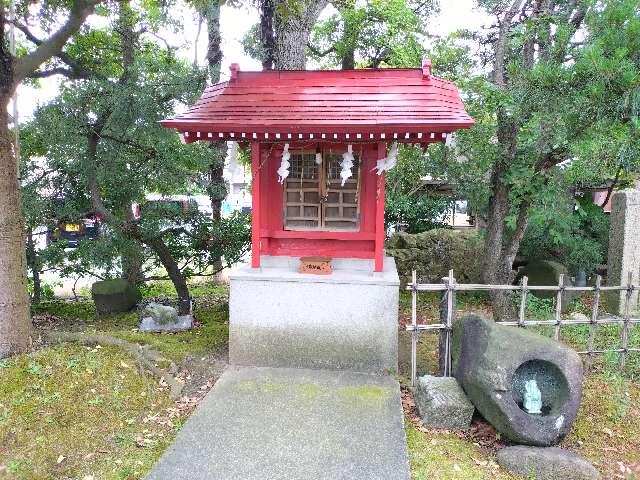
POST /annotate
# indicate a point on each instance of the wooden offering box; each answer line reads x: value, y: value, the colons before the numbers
x: 316, y: 265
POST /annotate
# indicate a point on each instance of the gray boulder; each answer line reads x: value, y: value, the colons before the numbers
x: 162, y: 318
x: 493, y: 363
x: 547, y: 273
x: 442, y: 403
x: 546, y: 463
x: 161, y: 314
x: 114, y: 296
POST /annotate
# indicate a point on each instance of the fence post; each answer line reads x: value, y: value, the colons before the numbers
x: 414, y: 323
x: 447, y: 314
x: 559, y: 306
x: 523, y: 301
x: 625, y: 320
x: 594, y: 319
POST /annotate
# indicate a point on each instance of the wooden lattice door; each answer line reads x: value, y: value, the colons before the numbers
x: 315, y: 198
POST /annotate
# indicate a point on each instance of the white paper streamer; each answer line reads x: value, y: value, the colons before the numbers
x: 346, y: 164
x: 283, y: 171
x: 388, y: 163
x: 319, y: 158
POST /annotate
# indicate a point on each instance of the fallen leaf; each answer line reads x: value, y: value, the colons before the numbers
x: 456, y: 468
x: 60, y: 459
x: 124, y: 365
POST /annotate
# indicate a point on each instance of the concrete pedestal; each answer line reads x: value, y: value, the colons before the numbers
x: 344, y: 321
x: 624, y: 247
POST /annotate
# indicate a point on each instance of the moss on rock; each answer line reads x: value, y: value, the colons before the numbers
x: 432, y: 254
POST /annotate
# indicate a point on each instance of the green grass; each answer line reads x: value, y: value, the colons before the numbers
x: 446, y: 456
x: 71, y: 411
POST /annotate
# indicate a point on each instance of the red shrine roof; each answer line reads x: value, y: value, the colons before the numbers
x: 409, y: 105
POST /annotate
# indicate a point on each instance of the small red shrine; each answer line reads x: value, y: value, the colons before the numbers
x: 321, y: 142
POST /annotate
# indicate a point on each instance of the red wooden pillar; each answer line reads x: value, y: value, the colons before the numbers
x: 380, y: 232
x: 255, y: 204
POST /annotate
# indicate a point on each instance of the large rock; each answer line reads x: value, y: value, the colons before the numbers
x: 493, y: 362
x: 163, y: 318
x: 547, y: 273
x: 114, y: 296
x: 442, y: 403
x: 546, y: 463
x: 433, y: 253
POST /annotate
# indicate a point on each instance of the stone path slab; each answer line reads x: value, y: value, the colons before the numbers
x: 294, y: 424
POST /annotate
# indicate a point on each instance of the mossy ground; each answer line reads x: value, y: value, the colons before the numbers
x: 76, y: 412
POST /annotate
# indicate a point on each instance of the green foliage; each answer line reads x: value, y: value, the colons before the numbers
x: 372, y: 33
x: 409, y: 206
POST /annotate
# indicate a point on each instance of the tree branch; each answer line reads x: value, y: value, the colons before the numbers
x: 29, y: 63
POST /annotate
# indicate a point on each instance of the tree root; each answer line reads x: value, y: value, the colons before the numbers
x: 143, y: 354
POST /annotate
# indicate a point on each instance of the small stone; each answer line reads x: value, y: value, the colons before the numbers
x: 549, y: 463
x: 161, y: 318
x: 161, y: 314
x: 442, y: 403
x: 578, y: 317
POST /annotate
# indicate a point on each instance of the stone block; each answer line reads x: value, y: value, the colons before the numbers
x: 114, y: 296
x: 546, y: 463
x: 279, y: 317
x: 180, y: 324
x: 493, y: 364
x: 624, y: 248
x: 442, y: 403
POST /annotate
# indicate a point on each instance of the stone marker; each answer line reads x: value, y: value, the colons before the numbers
x: 114, y: 296
x: 546, y: 463
x: 493, y: 364
x: 162, y: 318
x: 442, y: 403
x: 624, y: 247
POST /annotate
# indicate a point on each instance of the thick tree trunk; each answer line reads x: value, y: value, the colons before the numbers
x: 15, y: 318
x: 32, y: 263
x: 293, y: 24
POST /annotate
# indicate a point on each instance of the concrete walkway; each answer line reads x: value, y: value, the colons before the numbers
x: 277, y: 423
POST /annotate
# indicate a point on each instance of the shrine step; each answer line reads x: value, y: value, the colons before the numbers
x: 294, y: 424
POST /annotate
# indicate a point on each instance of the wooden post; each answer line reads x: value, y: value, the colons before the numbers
x: 380, y: 232
x: 625, y: 321
x: 594, y: 319
x: 523, y: 301
x: 414, y: 324
x: 559, y: 307
x: 255, y: 204
x: 447, y: 310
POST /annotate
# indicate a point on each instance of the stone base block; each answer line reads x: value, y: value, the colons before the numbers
x: 347, y: 320
x: 442, y: 403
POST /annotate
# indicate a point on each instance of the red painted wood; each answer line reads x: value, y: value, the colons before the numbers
x: 367, y: 108
x: 255, y: 204
x: 380, y: 231
x: 345, y: 101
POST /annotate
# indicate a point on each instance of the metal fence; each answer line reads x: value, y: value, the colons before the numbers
x: 449, y: 287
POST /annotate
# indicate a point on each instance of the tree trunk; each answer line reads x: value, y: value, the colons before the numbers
x: 217, y: 188
x: 32, y: 263
x: 293, y: 24
x: 267, y: 12
x: 15, y: 318
x: 132, y: 256
x: 173, y: 270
